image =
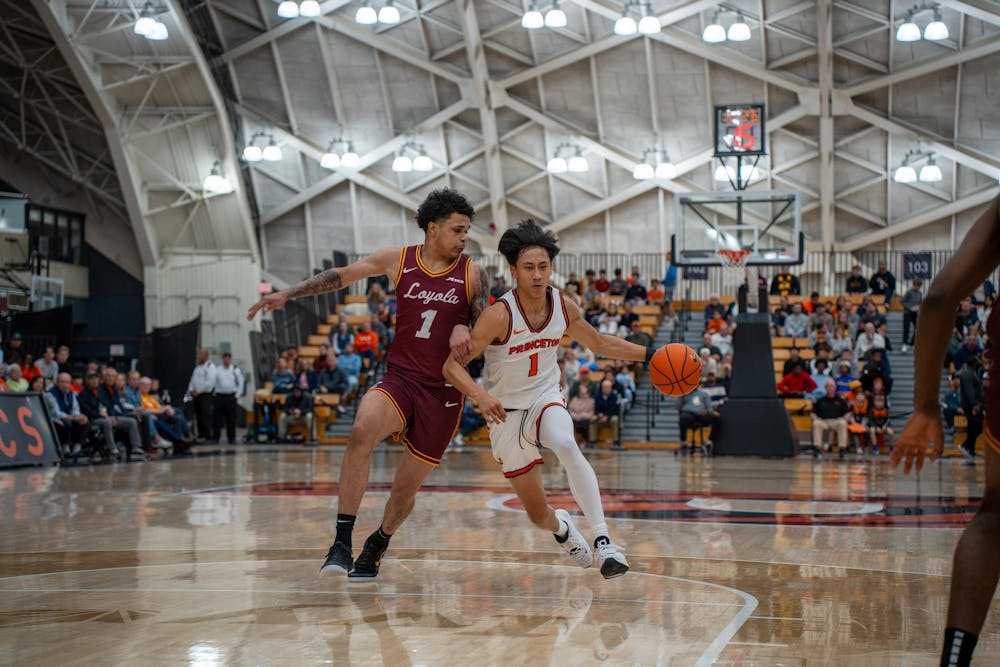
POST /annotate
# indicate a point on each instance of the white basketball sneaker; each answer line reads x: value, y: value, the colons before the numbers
x: 575, y: 545
x: 611, y: 558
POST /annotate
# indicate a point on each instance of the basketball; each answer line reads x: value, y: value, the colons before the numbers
x: 675, y: 369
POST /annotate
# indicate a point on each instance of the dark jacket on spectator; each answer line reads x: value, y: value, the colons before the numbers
x: 334, y: 380
x: 635, y: 292
x: 606, y: 405
x: 111, y: 400
x: 302, y: 401
x: 887, y: 278
x: 856, y: 285
x: 827, y: 407
x: 785, y: 284
x: 90, y: 404
x: 971, y: 389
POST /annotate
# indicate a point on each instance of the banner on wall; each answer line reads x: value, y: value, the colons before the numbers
x: 26, y: 433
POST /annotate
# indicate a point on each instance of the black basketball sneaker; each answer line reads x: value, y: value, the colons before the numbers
x: 368, y: 561
x: 338, y: 560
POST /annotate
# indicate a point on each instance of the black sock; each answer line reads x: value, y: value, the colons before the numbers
x: 958, y: 648
x: 345, y: 526
x: 562, y: 528
x: 603, y: 539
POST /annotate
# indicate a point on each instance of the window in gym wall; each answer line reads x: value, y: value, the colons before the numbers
x: 56, y: 234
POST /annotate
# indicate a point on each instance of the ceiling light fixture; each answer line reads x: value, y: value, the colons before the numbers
x: 271, y: 152
x: 215, y: 182
x: 930, y: 172
x: 144, y: 25
x: 739, y: 31
x: 388, y: 14
x: 649, y: 24
x: 288, y: 10
x: 714, y: 32
x: 309, y: 9
x: 366, y: 15
x: 935, y: 31
x: 555, y: 17
x: 575, y: 162
x: 532, y: 19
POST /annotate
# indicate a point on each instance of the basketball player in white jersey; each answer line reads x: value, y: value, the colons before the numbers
x: 520, y: 397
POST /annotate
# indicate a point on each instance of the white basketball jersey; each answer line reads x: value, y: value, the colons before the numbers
x: 523, y: 367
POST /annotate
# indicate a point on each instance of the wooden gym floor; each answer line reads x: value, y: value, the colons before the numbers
x: 213, y: 560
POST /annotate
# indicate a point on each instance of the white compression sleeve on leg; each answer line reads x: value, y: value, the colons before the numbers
x: 556, y: 433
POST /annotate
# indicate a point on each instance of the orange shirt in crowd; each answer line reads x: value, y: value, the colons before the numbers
x: 655, y: 296
x: 29, y: 373
x: 713, y: 324
x: 150, y: 402
x: 365, y: 340
x: 75, y: 388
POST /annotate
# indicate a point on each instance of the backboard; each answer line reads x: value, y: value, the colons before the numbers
x: 768, y: 224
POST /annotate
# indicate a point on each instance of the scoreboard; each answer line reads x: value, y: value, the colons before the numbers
x: 739, y: 130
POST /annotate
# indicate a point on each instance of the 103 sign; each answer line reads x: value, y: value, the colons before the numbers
x: 917, y: 265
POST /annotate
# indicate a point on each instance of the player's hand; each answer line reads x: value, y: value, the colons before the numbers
x: 492, y: 409
x: 923, y: 427
x: 268, y: 302
x: 461, y: 344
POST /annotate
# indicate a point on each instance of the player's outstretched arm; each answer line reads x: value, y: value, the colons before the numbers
x: 461, y: 338
x: 974, y: 260
x: 492, y: 325
x: 380, y: 262
x: 605, y: 345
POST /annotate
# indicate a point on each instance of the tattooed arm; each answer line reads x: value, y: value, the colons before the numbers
x: 384, y: 261
x: 461, y: 339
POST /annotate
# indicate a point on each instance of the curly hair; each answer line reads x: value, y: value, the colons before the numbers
x: 526, y: 235
x: 440, y: 205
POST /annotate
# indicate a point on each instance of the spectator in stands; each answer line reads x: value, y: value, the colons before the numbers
x: 64, y: 409
x: 871, y: 315
x: 573, y: 279
x: 968, y: 314
x: 987, y: 309
x: 820, y: 316
x: 778, y: 317
x: 571, y: 367
x: 819, y: 337
x: 844, y: 377
x: 951, y: 403
x: 883, y: 331
x: 376, y: 298
x: 624, y: 379
x: 606, y: 411
x: 709, y: 362
x: 105, y: 401
x: 350, y: 362
x: 15, y: 382
x: 200, y: 389
x: 608, y: 321
x: 171, y: 423
x: 856, y: 283
x: 830, y: 413
x: 656, y: 294
x: 970, y: 350
x: 725, y: 375
x: 879, y: 431
x: 383, y: 333
x: 319, y: 363
x: 714, y: 324
x: 722, y: 340
x: 809, y: 307
x: 589, y: 287
x: 848, y: 356
x: 796, y: 384
x: 593, y: 313
x: 819, y: 374
x: 911, y: 306
x: 161, y: 394
x: 36, y: 385
x: 582, y: 378
x: 14, y: 353
x: 972, y: 397
x: 696, y: 412
x: 47, y: 366
x: 62, y: 359
x: 618, y: 285
x: 638, y: 336
x: 636, y: 277
x: 581, y: 410
x: 297, y: 410
x: 91, y: 408
x: 844, y: 324
x: 877, y: 368
x: 112, y: 394
x: 28, y: 368
x: 716, y: 391
x: 628, y: 317
x: 822, y: 355
x: 714, y: 306
x: 883, y: 282
x: 572, y: 293
x: 794, y: 358
x: 282, y: 377
x: 636, y: 292
x: 500, y: 287
x: 669, y: 278
x: 333, y: 380
x: 585, y: 355
x: 305, y: 376
x: 366, y: 344
x: 797, y: 323
x: 784, y: 283
x: 342, y: 337
x: 601, y: 284
x: 867, y: 340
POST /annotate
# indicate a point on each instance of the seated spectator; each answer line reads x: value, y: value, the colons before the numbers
x: 169, y: 422
x: 571, y: 293
x: 305, y: 376
x: 601, y: 285
x: 709, y: 363
x: 297, y: 410
x: 714, y: 324
x: 867, y: 340
x: 618, y: 285
x: 15, y: 382
x: 879, y: 430
x: 609, y: 320
x: 62, y: 359
x: 606, y: 411
x: 968, y: 314
x: 987, y: 309
x: 819, y: 337
x: 696, y: 412
x: 571, y: 367
x: 64, y: 409
x: 376, y: 298
x: 796, y: 384
x: 93, y: 407
x: 819, y: 377
x: 333, y: 380
x: 384, y: 334
x: 594, y: 312
x: 856, y: 283
x: 500, y: 286
x: 877, y: 368
x: 161, y: 394
x: 366, y: 344
x: 282, y: 378
x: 626, y: 382
x: 954, y: 345
x: 112, y: 394
x: 586, y: 356
x: 794, y: 359
x: 872, y: 315
x: 342, y: 337
x: 75, y: 385
x: 830, y: 413
x: 656, y: 294
x: 638, y: 336
x: 822, y: 354
x: 714, y: 306
x: 583, y: 378
x: 28, y: 368
x: 820, y: 316
x: 14, y: 352
x: 797, y: 323
x: 971, y: 349
x: 588, y: 291
x: 350, y: 362
x: 844, y: 377
x: 778, y: 316
x: 911, y: 306
x: 635, y: 277
x: 628, y: 317
x: 319, y: 363
x: 722, y: 340
x: 715, y: 391
x: 581, y: 410
x: 636, y: 292
x: 725, y: 376
x: 858, y: 427
x: 47, y: 366
x: 784, y: 283
x: 951, y: 404
x: 883, y: 282
x: 839, y: 341
x: 809, y: 307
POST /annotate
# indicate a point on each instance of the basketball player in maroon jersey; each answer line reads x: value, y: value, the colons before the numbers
x: 975, y: 567
x: 439, y: 293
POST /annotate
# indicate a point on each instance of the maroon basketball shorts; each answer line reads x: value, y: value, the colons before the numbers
x: 430, y: 414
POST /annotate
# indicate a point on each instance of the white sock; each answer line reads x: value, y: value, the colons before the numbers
x: 556, y: 433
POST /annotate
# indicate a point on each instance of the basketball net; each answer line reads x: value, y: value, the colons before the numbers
x: 736, y: 271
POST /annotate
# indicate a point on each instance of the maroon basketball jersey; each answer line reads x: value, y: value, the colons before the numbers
x: 992, y: 394
x: 428, y: 306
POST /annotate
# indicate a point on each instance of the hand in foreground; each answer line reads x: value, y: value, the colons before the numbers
x: 268, y: 302
x: 912, y: 445
x: 492, y: 409
x: 461, y: 344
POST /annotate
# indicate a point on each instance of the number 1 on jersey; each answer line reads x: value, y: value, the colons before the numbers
x: 425, y: 329
x: 533, y: 371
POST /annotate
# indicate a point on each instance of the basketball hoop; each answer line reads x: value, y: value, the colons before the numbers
x: 735, y: 269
